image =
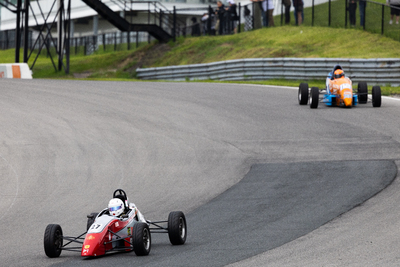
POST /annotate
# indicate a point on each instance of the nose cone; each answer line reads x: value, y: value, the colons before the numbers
x: 348, y: 102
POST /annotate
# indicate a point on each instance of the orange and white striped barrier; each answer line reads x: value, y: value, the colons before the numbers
x: 16, y: 71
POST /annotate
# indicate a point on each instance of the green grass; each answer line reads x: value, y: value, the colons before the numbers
x: 286, y: 41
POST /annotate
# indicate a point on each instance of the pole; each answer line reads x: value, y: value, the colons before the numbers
x: 60, y: 31
x: 26, y: 31
x: 18, y: 31
x: 345, y: 14
x: 383, y: 18
x: 68, y: 48
x: 329, y: 13
x: 174, y: 25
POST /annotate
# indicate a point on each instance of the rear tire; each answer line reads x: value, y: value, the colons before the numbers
x: 177, y: 229
x: 314, y: 97
x: 303, y: 93
x: 141, y: 239
x: 362, y: 92
x: 376, y: 96
x: 53, y: 240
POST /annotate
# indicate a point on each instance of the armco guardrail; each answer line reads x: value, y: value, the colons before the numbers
x: 379, y: 70
x: 15, y: 70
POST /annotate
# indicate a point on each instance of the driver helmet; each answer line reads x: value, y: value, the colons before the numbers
x: 338, y: 74
x: 116, y: 207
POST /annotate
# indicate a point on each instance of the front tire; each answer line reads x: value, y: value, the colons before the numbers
x: 314, y: 97
x: 177, y: 229
x: 141, y: 239
x: 53, y: 240
x: 362, y: 92
x: 303, y: 93
x: 376, y: 96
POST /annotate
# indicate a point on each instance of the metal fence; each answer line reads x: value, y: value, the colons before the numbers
x: 379, y: 71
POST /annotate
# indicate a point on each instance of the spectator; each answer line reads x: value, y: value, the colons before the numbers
x: 298, y: 11
x: 352, y: 12
x: 220, y: 12
x: 394, y: 10
x: 204, y: 23
x: 268, y: 7
x: 248, y: 21
x: 233, y: 17
x: 287, y: 5
x: 362, y: 4
x: 195, y: 27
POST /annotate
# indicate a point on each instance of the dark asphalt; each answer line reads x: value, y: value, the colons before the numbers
x: 273, y: 204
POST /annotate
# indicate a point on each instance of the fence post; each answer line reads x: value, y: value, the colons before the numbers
x: 329, y: 24
x: 104, y: 42
x: 115, y: 41
x: 26, y: 30
x: 18, y: 31
x: 240, y: 16
x: 252, y: 14
x: 345, y: 14
x: 209, y: 20
x: 312, y: 15
x: 383, y: 18
x: 129, y: 40
x: 85, y: 51
x: 174, y: 24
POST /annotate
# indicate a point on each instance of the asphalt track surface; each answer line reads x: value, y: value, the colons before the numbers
x: 262, y: 180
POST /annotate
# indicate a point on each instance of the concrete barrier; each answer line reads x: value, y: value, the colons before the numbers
x: 15, y: 70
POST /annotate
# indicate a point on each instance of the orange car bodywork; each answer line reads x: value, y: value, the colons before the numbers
x: 343, y: 90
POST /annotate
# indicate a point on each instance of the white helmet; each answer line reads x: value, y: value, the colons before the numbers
x: 116, y: 207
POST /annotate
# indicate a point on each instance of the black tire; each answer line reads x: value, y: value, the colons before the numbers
x: 314, y: 97
x: 362, y: 91
x: 91, y: 220
x: 177, y: 229
x: 53, y: 240
x: 303, y: 93
x: 376, y: 96
x: 141, y: 239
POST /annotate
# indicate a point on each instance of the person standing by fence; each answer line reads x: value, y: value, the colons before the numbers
x: 394, y: 10
x: 220, y: 12
x: 298, y: 11
x: 268, y: 7
x: 362, y: 4
x: 233, y: 16
x: 352, y: 12
x: 287, y: 5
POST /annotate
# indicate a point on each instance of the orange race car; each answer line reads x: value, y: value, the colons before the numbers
x: 338, y: 92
